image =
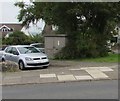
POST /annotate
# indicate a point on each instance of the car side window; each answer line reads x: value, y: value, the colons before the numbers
x: 14, y: 51
x: 8, y: 50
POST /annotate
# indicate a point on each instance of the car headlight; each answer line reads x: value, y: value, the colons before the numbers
x: 28, y: 59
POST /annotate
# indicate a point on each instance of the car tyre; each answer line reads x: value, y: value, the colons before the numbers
x: 3, y: 60
x: 21, y: 65
x: 44, y: 67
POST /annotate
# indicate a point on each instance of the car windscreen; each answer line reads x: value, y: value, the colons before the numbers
x: 27, y: 50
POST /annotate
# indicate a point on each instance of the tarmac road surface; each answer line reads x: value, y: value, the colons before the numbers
x: 106, y: 89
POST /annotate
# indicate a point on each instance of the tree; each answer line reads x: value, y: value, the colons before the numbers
x: 17, y: 38
x: 88, y: 25
x: 38, y: 38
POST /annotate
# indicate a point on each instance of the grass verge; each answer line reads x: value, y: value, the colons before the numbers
x: 110, y: 58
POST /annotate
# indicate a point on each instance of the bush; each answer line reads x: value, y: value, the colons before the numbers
x: 83, y: 45
x: 16, y: 38
x: 19, y: 38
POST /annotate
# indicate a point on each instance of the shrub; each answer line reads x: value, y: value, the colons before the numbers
x: 9, y: 67
x: 19, y: 38
x: 83, y: 45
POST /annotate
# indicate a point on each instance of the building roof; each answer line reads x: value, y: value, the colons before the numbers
x: 4, y: 26
x: 15, y: 26
x: 7, y: 28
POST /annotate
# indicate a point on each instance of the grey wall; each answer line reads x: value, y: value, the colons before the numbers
x: 54, y: 43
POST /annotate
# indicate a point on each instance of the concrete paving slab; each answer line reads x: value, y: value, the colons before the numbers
x: 11, y: 80
x: 0, y: 78
x: 47, y: 80
x: 66, y: 77
x: 25, y: 80
x: 30, y: 73
x: 84, y: 77
x: 83, y: 68
x: 112, y: 75
x: 56, y: 70
x: 116, y: 70
x: 27, y: 76
x: 26, y: 71
x: 47, y: 75
x: 60, y: 71
x: 41, y: 71
x: 75, y: 69
x: 63, y: 73
x: 57, y: 74
x: 79, y: 72
x: 114, y: 66
x: 13, y: 74
x: 0, y: 82
x: 92, y: 67
x: 11, y: 77
x: 105, y: 69
x: 97, y: 74
x: 97, y: 68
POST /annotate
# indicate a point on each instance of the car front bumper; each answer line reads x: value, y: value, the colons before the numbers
x: 37, y: 63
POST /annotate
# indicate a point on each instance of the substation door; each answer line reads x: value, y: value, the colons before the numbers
x: 53, y: 44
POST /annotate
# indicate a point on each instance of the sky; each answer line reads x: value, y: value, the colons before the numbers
x: 9, y: 13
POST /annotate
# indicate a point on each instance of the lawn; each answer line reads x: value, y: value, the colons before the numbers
x: 110, y: 58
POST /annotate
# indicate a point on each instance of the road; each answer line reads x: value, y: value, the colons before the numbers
x: 107, y: 89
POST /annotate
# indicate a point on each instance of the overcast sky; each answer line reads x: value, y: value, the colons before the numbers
x: 9, y: 12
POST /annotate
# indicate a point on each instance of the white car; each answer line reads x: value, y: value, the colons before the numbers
x: 2, y: 51
x: 39, y: 46
x: 26, y: 56
x: 1, y: 54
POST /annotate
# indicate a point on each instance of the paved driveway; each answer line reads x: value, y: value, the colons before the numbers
x: 63, y: 71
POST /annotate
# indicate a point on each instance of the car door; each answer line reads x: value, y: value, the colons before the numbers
x: 15, y: 55
x: 8, y: 53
